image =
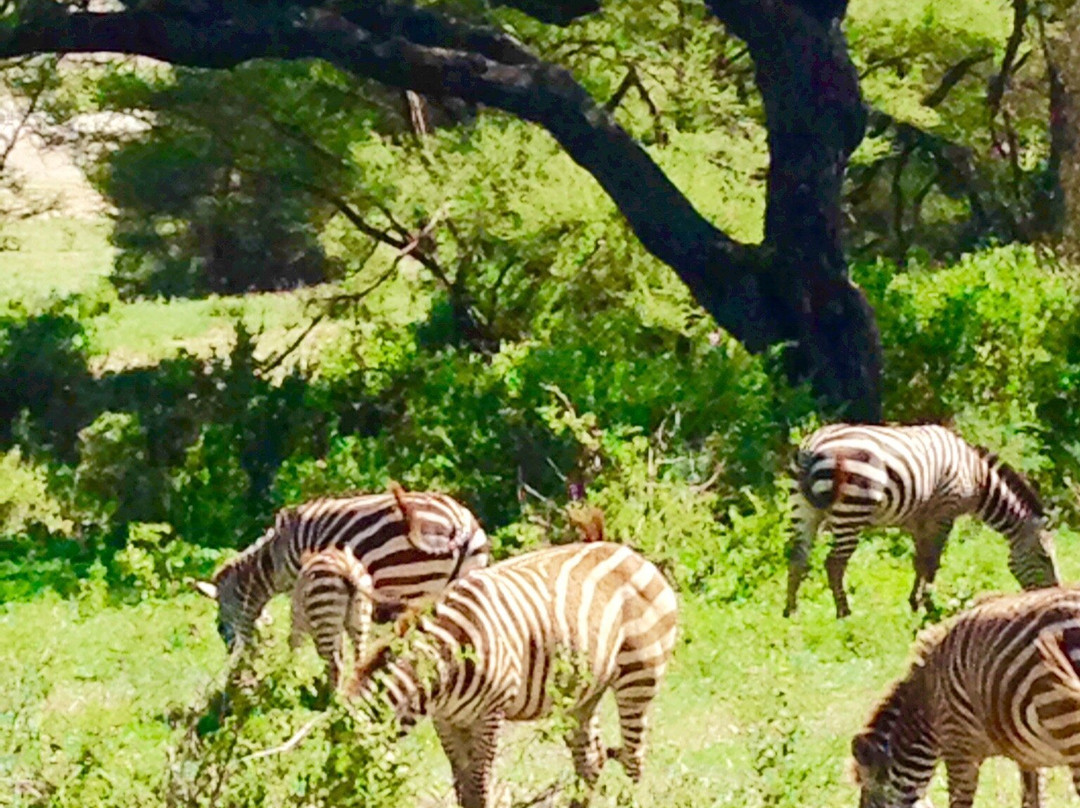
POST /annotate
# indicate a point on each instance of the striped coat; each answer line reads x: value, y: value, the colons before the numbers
x: 333, y: 596
x: 411, y: 544
x: 998, y: 680
x: 500, y: 644
x: 921, y: 478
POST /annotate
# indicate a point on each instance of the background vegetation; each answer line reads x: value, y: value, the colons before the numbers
x: 310, y: 285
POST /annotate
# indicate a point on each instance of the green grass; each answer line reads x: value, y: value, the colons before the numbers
x: 53, y: 256
x: 58, y: 257
x: 756, y: 711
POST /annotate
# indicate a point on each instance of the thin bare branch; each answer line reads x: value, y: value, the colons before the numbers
x: 1000, y: 80
x: 290, y: 744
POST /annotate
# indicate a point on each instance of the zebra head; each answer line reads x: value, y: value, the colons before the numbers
x: 896, y: 754
x: 244, y: 585
x: 873, y: 765
x: 1032, y: 558
x: 236, y: 621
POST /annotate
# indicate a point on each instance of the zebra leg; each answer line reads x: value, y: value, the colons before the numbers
x: 456, y: 744
x: 844, y: 542
x: 587, y: 750
x: 329, y: 645
x: 299, y: 626
x: 358, y: 626
x: 805, y: 521
x: 471, y: 751
x: 1031, y: 782
x: 929, y: 545
x: 963, y: 781
x: 634, y: 693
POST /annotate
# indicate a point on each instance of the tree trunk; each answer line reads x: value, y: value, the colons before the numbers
x: 1064, y: 121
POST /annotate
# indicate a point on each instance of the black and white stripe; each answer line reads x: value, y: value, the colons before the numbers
x: 921, y: 478
x: 502, y: 642
x: 998, y: 680
x: 333, y: 596
x: 410, y: 543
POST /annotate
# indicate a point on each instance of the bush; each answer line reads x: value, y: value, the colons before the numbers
x: 191, y: 224
x: 44, y: 371
x: 114, y: 476
x: 991, y: 345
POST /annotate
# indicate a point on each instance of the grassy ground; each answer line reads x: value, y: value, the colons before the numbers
x: 56, y: 257
x: 757, y: 710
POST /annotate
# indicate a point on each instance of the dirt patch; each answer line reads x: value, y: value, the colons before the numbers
x: 42, y: 161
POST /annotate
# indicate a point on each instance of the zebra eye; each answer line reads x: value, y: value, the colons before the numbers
x: 226, y: 633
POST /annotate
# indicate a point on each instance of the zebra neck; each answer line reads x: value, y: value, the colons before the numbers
x: 906, y: 722
x: 261, y: 572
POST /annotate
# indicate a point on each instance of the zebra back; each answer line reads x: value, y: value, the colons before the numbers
x: 500, y: 634
x: 411, y: 543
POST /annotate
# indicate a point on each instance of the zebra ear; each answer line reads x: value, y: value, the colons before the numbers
x: 870, y: 751
x: 205, y: 588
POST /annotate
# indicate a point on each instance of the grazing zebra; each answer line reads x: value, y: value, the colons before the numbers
x: 998, y: 680
x: 504, y: 642
x: 333, y: 595
x: 411, y: 544
x: 921, y: 478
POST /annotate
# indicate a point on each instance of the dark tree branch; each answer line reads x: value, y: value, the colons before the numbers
x: 953, y: 76
x: 1000, y: 80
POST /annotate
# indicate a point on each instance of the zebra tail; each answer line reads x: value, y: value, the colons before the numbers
x: 802, y: 469
x: 1050, y: 646
x: 411, y: 524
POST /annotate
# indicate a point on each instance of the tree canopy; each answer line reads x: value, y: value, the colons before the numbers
x: 792, y: 287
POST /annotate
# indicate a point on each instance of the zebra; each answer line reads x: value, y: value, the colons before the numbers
x: 504, y: 643
x: 410, y: 543
x: 848, y: 477
x: 997, y: 680
x: 333, y: 595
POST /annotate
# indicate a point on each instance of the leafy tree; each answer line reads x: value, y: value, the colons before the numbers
x: 793, y: 287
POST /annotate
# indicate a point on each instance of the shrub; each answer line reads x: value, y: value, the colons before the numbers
x: 114, y: 475
x: 44, y: 371
x: 27, y: 505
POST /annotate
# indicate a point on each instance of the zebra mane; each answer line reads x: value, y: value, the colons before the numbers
x: 910, y: 684
x: 1014, y: 480
x: 282, y: 522
x: 927, y: 641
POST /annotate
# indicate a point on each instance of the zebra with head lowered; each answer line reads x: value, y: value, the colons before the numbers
x: 410, y: 544
x: 849, y: 477
x: 998, y: 680
x: 503, y: 643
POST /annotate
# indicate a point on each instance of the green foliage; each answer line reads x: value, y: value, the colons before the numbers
x: 43, y: 367
x: 26, y: 502
x: 226, y: 755
x: 114, y: 471
x: 990, y: 344
x: 213, y: 198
